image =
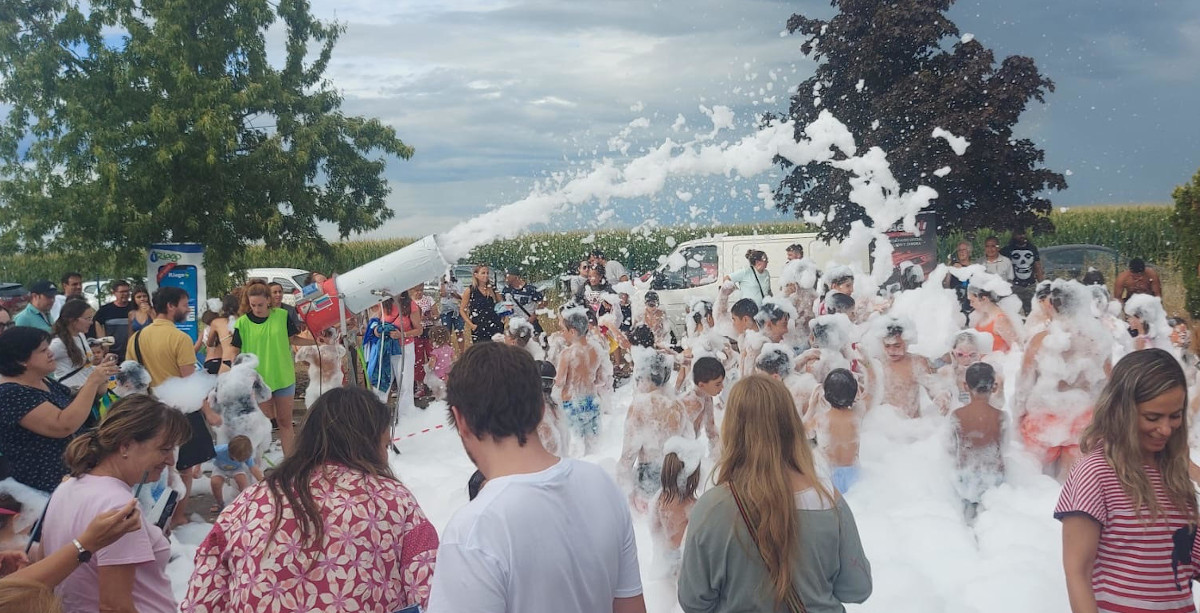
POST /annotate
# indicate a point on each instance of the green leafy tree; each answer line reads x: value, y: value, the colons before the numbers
x: 135, y: 121
x: 1187, y: 225
x: 883, y: 70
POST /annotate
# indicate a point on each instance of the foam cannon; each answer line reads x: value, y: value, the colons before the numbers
x: 339, y: 298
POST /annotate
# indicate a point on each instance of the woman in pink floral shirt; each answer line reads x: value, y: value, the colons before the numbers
x: 330, y: 530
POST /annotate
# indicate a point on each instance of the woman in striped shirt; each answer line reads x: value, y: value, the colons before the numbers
x: 1128, y: 508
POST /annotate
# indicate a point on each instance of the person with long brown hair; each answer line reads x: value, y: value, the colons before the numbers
x: 269, y: 333
x: 134, y: 444
x: 771, y: 521
x: 478, y: 306
x: 330, y: 527
x: 1131, y: 487
x: 73, y: 356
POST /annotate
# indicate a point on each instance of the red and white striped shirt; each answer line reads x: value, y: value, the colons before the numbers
x: 1132, y: 573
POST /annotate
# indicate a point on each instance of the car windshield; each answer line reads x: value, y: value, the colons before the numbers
x: 688, y: 267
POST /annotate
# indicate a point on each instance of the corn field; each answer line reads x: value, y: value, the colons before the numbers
x: 1138, y: 230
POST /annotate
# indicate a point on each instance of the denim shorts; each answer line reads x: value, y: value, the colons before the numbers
x: 453, y: 321
x: 284, y: 391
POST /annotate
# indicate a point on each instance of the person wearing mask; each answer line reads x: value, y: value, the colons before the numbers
x: 526, y: 299
x: 269, y: 333
x: 996, y: 263
x: 134, y: 444
x: 334, y: 504
x: 1027, y: 266
x: 1139, y: 279
x: 479, y: 306
x: 72, y: 352
x: 754, y: 281
x: 1132, y: 486
x: 38, y: 416
x: 37, y: 314
x: 489, y: 559
x: 771, y: 535
x: 72, y: 287
x: 112, y: 319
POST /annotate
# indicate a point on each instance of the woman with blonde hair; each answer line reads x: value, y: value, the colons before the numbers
x: 134, y: 444
x: 771, y: 521
x: 269, y: 333
x: 1131, y: 487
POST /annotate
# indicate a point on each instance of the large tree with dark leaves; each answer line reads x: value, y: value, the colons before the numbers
x: 888, y: 70
x: 134, y: 121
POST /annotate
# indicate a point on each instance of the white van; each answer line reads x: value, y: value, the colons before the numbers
x: 696, y: 268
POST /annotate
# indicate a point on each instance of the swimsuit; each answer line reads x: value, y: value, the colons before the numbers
x: 844, y: 477
x: 649, y: 478
x: 583, y: 415
x: 998, y: 344
x: 1048, y: 434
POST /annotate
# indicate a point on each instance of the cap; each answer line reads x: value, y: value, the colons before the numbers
x: 43, y: 287
x: 514, y: 271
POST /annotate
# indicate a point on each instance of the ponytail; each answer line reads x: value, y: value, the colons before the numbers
x: 84, y: 453
x: 132, y: 419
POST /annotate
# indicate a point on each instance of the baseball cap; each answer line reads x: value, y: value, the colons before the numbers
x: 514, y: 271
x: 43, y: 287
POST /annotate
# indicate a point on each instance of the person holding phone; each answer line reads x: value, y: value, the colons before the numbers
x: 134, y: 444
x: 38, y: 416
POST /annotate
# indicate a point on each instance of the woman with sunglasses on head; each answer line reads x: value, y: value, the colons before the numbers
x: 1128, y: 508
x: 772, y: 535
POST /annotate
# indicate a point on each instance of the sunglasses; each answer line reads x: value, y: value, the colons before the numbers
x: 5, y: 324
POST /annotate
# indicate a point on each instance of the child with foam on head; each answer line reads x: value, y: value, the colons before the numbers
x: 979, y: 433
x: 669, y: 513
x: 580, y: 377
x: 834, y: 414
x: 233, y: 461
x: 655, y: 415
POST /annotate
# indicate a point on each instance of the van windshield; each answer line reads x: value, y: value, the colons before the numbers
x: 688, y: 267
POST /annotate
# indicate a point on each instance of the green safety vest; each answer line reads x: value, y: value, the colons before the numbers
x: 269, y: 341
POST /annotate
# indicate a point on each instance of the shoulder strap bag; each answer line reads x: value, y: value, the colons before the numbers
x: 792, y: 601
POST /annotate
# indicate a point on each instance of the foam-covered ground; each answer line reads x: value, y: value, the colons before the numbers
x: 924, y: 557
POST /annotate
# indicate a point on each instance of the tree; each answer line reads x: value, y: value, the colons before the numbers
x: 1187, y: 223
x: 178, y: 127
x: 882, y: 71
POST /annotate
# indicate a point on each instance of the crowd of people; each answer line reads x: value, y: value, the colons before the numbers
x: 740, y: 441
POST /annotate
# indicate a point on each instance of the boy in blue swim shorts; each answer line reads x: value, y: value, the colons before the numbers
x: 578, y: 376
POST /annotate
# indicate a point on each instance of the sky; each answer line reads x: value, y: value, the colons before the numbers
x: 496, y: 96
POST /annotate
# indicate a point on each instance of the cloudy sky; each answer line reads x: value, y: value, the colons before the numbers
x: 496, y: 95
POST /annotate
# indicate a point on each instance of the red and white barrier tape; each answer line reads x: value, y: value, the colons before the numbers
x: 419, y: 432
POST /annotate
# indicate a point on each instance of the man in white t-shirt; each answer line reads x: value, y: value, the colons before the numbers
x: 614, y: 272
x: 545, y: 534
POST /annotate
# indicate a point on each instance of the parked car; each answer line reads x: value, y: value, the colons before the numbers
x: 96, y: 292
x: 292, y: 280
x: 1073, y: 261
x: 13, y: 296
x: 695, y: 268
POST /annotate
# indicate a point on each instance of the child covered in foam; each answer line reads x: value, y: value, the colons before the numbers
x: 834, y: 415
x: 580, y: 379
x: 679, y: 482
x: 978, y: 434
x: 324, y: 365
x: 655, y: 415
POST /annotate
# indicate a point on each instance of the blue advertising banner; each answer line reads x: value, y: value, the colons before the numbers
x: 179, y: 265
